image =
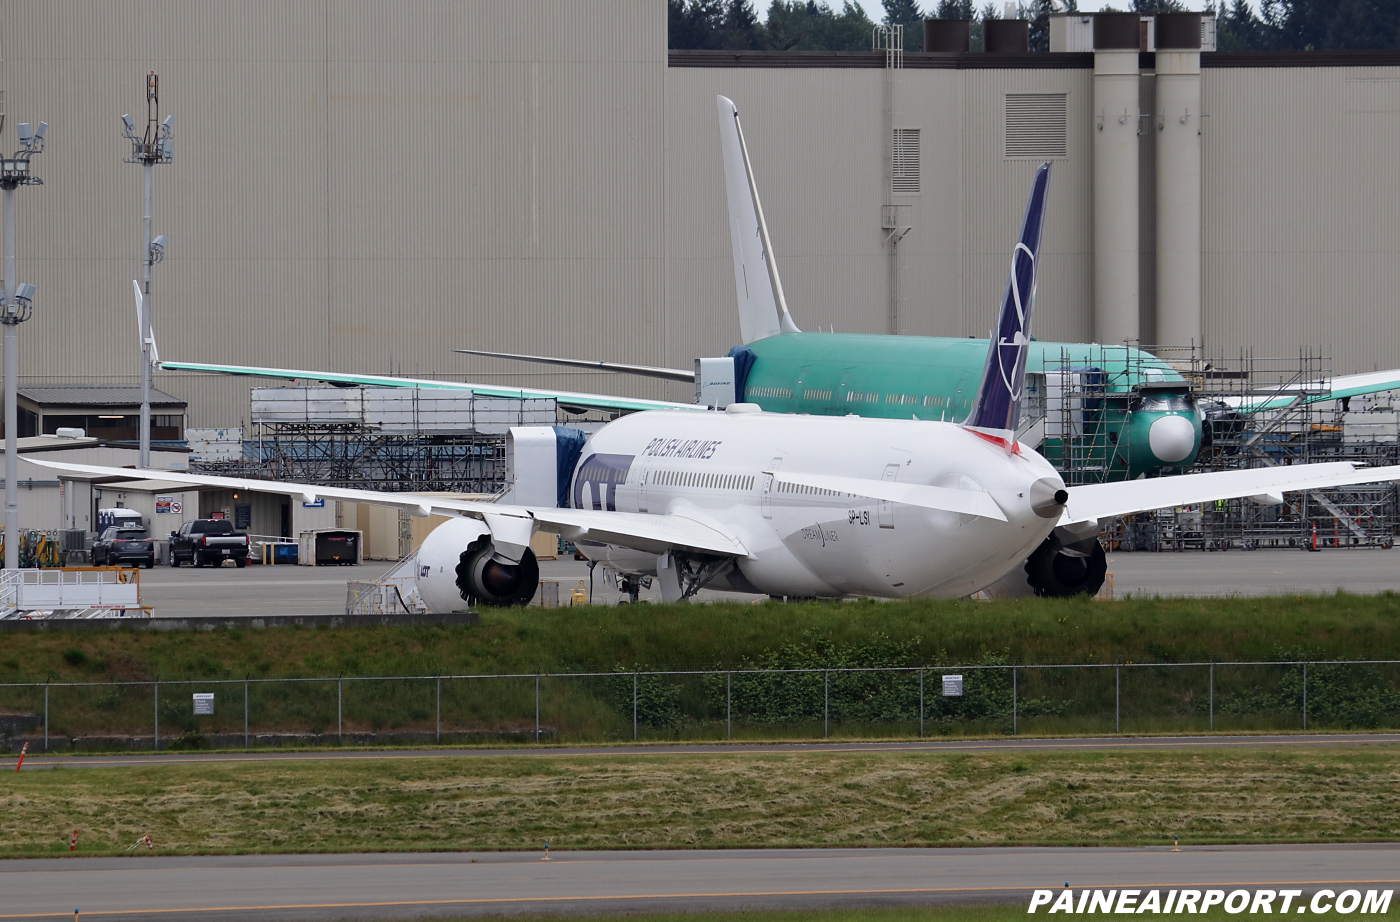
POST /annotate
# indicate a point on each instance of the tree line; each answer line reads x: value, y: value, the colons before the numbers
x: 810, y: 25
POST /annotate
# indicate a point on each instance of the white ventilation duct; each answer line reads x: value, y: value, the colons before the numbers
x: 1116, y: 127
x: 1178, y: 126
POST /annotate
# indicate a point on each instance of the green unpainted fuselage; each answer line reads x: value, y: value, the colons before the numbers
x: 1111, y: 395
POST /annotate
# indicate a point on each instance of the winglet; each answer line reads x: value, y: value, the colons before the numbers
x: 763, y: 308
x: 997, y: 408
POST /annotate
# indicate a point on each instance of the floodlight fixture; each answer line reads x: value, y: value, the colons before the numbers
x: 26, y: 135
x: 130, y: 125
x: 20, y: 307
x: 168, y: 124
x: 158, y: 248
x: 39, y: 132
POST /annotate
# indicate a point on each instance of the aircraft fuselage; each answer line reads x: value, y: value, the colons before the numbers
x: 811, y: 542
x: 935, y: 378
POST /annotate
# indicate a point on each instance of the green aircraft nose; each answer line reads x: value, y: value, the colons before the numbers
x: 1159, y: 440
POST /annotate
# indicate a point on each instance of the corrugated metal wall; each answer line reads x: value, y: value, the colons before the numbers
x: 366, y: 186
x: 1301, y: 212
x: 815, y: 139
x: 357, y: 185
x: 994, y: 200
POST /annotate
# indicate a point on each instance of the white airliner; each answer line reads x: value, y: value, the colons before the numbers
x: 802, y: 506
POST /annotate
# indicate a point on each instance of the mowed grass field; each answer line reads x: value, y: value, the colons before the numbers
x: 1141, y: 797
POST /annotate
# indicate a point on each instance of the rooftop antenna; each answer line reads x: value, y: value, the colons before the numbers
x: 154, y: 145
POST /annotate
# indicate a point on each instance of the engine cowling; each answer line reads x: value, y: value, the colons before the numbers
x: 458, y: 568
x: 1060, y: 571
x: 484, y: 578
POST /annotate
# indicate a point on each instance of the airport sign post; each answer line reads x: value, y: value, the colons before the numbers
x: 16, y: 308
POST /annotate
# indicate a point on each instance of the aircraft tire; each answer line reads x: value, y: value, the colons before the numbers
x: 1058, y: 575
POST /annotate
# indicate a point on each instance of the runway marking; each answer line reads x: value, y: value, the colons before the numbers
x: 795, y: 749
x: 654, y: 896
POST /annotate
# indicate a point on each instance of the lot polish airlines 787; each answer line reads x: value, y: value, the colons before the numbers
x: 802, y: 506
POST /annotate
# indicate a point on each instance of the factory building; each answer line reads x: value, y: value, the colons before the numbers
x: 361, y: 186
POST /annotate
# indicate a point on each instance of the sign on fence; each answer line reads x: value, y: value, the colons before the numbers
x: 203, y: 703
x: 952, y: 686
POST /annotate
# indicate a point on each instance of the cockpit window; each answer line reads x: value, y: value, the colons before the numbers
x: 1164, y: 403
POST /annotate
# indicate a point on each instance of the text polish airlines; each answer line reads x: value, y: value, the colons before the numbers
x: 801, y: 506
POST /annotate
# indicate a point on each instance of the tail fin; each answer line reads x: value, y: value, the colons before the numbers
x: 762, y: 308
x: 997, y: 409
x: 155, y: 354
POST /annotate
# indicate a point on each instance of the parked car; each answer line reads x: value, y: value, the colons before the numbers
x: 118, y: 545
x: 208, y: 541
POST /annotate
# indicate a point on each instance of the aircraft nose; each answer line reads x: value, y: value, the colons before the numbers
x: 1171, y: 438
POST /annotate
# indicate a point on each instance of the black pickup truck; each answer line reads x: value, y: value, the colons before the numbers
x: 208, y: 541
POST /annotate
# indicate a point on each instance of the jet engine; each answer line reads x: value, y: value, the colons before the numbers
x: 460, y: 567
x: 1059, y: 569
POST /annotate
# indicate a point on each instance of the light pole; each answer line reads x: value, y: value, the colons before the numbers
x: 155, y: 146
x: 16, y: 307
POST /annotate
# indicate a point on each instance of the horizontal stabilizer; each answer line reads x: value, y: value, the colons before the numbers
x: 944, y: 499
x: 1099, y: 501
x: 645, y: 371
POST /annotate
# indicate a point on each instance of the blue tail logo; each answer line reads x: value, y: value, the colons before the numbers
x: 997, y: 409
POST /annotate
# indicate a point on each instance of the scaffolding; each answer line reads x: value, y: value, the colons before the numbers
x: 381, y: 438
x: 1089, y: 398
x: 1271, y: 412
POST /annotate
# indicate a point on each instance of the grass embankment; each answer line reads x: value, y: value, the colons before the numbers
x: 661, y: 636
x: 713, y: 801
x: 1148, y: 632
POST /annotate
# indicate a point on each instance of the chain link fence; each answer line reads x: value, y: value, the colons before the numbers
x: 699, y: 705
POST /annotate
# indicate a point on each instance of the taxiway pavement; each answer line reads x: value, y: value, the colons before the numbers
x: 405, y: 886
x: 257, y: 590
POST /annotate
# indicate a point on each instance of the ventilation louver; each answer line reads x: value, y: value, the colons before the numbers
x: 904, y: 171
x: 1036, y: 126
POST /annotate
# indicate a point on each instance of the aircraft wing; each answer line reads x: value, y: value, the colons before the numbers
x: 1095, y: 502
x: 511, y: 526
x: 645, y: 371
x: 1372, y: 382
x: 568, y: 398
x: 944, y: 499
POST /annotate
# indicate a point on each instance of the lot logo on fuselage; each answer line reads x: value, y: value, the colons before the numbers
x: 600, y: 475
